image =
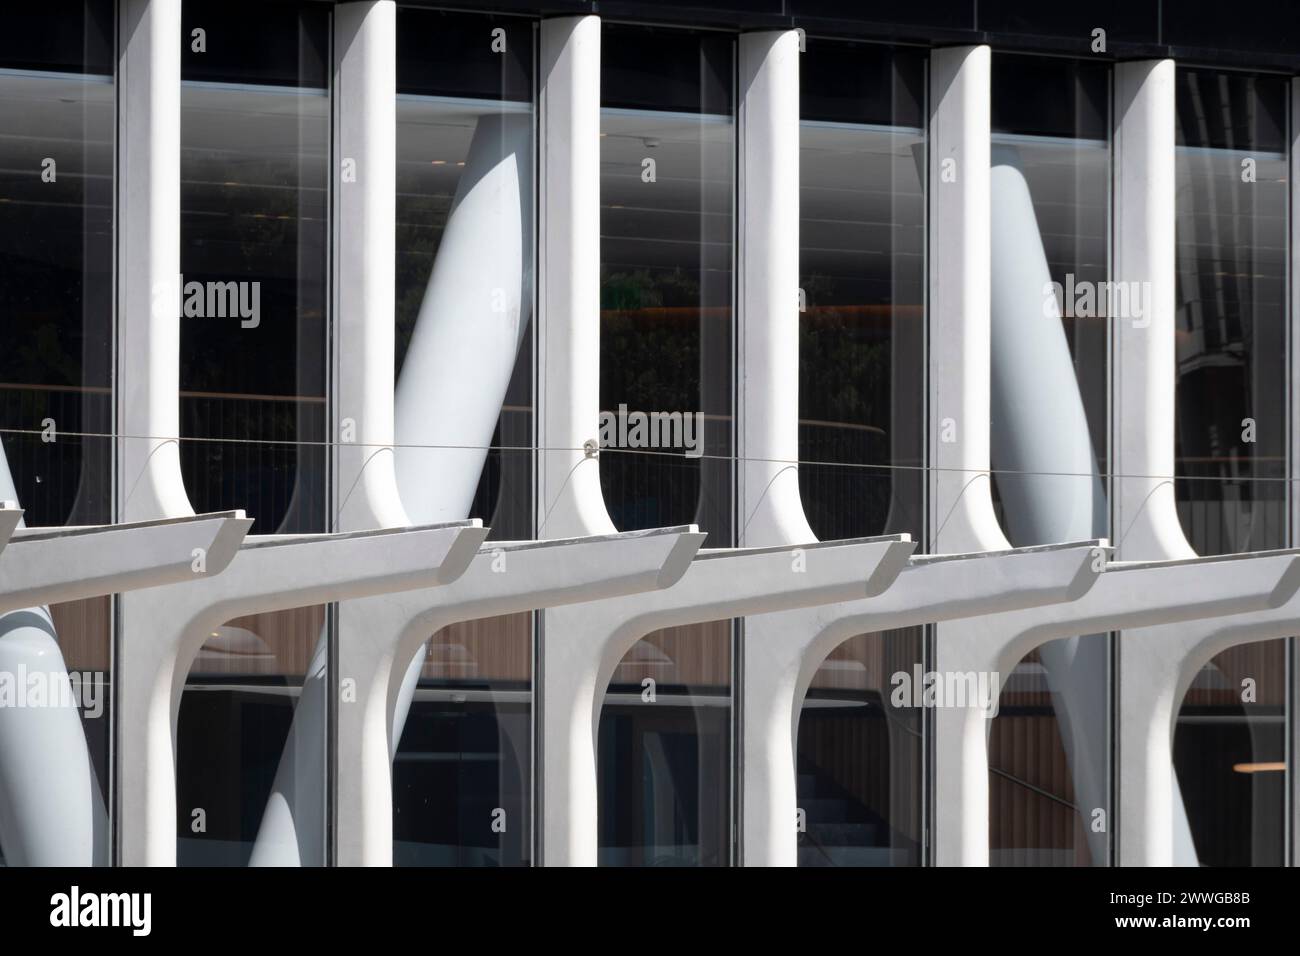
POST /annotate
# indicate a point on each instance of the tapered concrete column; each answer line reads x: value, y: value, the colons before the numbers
x: 149, y: 224
x: 51, y: 808
x: 783, y: 652
x: 365, y: 132
x: 583, y: 645
x: 274, y: 573
x: 1162, y: 662
x: 767, y: 326
x: 1128, y: 595
x: 569, y: 501
x: 961, y: 510
x: 384, y: 633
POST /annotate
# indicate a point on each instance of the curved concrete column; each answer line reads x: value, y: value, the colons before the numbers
x: 767, y: 326
x: 1127, y: 595
x: 1159, y: 665
x: 784, y: 651
x: 273, y: 573
x: 1048, y: 479
x: 583, y: 645
x: 50, y: 809
x: 569, y: 500
x: 472, y: 320
x: 384, y: 633
x: 149, y: 226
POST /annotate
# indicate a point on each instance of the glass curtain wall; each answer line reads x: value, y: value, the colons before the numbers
x: 1049, y: 764
x: 255, y: 140
x: 861, y: 429
x: 57, y: 117
x: 667, y: 249
x: 1231, y: 421
x: 465, y: 286
x: 862, y: 275
x: 255, y: 127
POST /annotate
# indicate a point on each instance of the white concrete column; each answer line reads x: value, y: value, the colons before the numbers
x: 569, y: 499
x: 767, y: 329
x: 1163, y: 662
x: 274, y: 573
x: 385, y: 632
x: 961, y: 510
x: 51, y: 810
x: 474, y: 317
x: 365, y: 133
x: 149, y: 222
x: 583, y: 644
x: 783, y: 652
x: 1143, y: 360
x: 961, y: 517
x: 1133, y: 595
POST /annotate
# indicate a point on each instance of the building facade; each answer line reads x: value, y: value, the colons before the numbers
x: 665, y: 434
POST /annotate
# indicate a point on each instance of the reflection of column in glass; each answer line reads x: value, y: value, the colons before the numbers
x: 473, y: 318
x: 50, y: 804
x: 1047, y: 471
x: 292, y: 830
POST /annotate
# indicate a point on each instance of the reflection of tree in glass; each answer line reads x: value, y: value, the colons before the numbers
x: 650, y: 360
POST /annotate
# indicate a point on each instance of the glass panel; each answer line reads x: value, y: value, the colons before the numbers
x: 255, y: 124
x: 1230, y: 756
x: 1231, y: 263
x: 242, y: 796
x: 465, y: 252
x: 1034, y: 816
x: 1050, y: 251
x: 1051, y: 306
x: 1232, y: 248
x: 862, y: 268
x: 861, y: 754
x: 255, y: 143
x: 667, y: 228
x: 462, y: 778
x: 465, y: 286
x: 57, y: 116
x: 664, y: 751
x: 861, y: 429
